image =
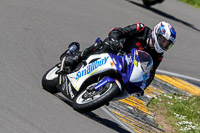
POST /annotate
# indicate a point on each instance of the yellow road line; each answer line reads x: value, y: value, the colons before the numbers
x: 131, y: 125
x: 154, y: 90
x: 150, y: 94
x: 138, y: 100
x: 182, y: 85
x: 134, y: 103
x: 136, y: 106
x: 190, y: 86
x: 124, y: 118
x: 131, y: 100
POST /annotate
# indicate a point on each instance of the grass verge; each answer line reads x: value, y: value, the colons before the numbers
x: 177, y: 114
x: 195, y: 3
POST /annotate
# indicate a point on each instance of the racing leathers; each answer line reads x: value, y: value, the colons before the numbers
x: 137, y: 36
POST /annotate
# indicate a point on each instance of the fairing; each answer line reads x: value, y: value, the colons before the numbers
x: 102, y: 63
x: 131, y: 71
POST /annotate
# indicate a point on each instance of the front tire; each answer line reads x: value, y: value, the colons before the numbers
x: 90, y: 100
x: 50, y: 80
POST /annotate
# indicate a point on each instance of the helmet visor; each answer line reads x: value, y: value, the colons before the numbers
x: 164, y: 43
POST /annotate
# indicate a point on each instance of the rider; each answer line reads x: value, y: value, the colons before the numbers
x: 155, y: 42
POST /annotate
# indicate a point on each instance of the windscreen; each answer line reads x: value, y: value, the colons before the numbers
x: 146, y: 61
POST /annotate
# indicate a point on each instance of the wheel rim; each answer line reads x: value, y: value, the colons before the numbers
x: 89, y: 95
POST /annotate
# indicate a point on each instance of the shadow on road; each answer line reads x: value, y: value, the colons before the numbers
x: 68, y: 102
x: 164, y: 15
x: 108, y: 123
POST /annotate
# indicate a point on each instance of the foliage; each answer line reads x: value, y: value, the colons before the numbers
x: 195, y: 3
x: 183, y: 112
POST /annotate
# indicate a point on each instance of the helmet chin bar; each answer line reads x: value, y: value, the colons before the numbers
x: 156, y: 45
x: 158, y: 48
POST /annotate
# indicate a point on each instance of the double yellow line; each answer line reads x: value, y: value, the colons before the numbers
x: 135, y: 126
x: 136, y: 103
x: 180, y: 84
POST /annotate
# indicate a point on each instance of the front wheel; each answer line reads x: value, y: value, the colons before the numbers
x: 90, y: 99
x: 50, y: 80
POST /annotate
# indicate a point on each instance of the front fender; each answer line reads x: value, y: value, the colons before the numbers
x: 107, y: 80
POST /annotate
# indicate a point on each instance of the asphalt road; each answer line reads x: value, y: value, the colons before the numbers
x: 33, y: 34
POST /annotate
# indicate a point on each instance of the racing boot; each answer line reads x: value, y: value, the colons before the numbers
x: 73, y: 56
x: 72, y: 49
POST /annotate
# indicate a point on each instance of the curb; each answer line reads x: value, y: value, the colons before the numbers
x: 133, y: 110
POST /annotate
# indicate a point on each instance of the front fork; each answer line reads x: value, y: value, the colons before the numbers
x: 60, y: 73
x: 63, y: 82
x: 61, y: 70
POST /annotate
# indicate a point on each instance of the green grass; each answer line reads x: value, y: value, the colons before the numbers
x: 195, y: 3
x: 181, y: 112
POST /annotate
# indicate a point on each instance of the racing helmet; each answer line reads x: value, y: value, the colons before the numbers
x: 164, y: 36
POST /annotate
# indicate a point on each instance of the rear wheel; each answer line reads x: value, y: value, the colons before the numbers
x: 90, y: 99
x: 50, y: 80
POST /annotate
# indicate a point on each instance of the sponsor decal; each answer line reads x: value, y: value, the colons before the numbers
x: 114, y: 60
x: 143, y: 86
x: 135, y: 62
x: 129, y: 59
x: 91, y: 67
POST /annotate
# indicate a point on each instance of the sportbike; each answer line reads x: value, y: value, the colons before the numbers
x: 100, y: 78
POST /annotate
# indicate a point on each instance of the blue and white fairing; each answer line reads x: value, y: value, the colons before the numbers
x: 131, y: 69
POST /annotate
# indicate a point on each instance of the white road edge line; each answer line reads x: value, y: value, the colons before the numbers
x: 177, y: 75
x: 116, y: 119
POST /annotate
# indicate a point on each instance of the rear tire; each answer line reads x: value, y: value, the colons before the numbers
x: 50, y: 80
x: 111, y: 90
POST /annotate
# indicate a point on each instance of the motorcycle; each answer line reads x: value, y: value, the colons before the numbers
x: 149, y: 3
x: 100, y: 78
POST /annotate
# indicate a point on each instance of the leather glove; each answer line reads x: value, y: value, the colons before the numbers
x: 113, y: 44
